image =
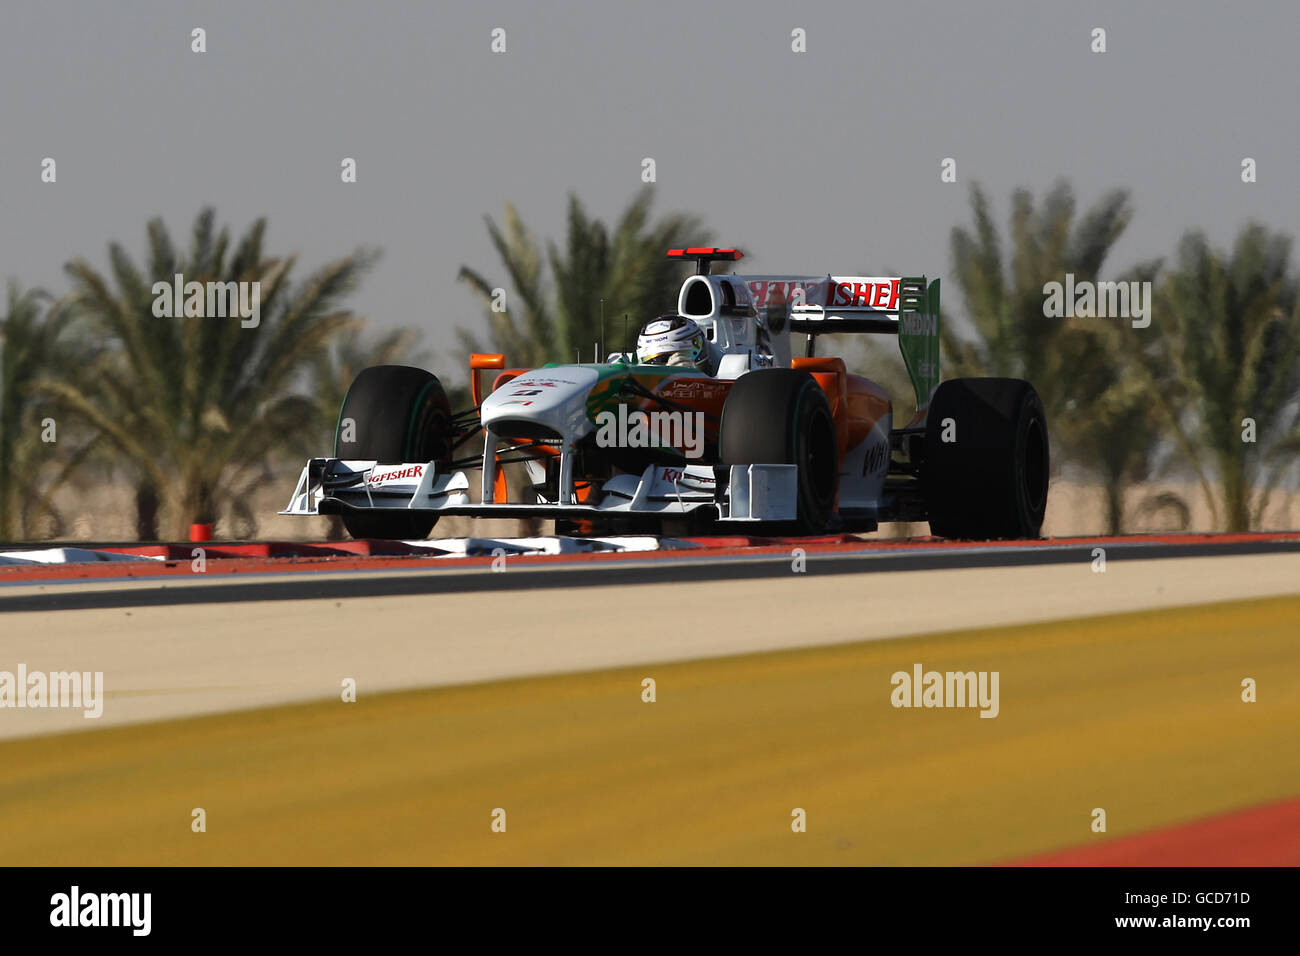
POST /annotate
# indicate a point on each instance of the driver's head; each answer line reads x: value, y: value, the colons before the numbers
x: 672, y: 340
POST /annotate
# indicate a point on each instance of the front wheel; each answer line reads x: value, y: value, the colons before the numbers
x: 393, y: 414
x: 780, y: 416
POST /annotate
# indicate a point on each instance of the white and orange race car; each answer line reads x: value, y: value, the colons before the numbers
x: 762, y: 440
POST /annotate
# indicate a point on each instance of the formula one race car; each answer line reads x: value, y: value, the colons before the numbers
x: 745, y: 437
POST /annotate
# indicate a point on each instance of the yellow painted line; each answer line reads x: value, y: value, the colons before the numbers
x: 1139, y: 714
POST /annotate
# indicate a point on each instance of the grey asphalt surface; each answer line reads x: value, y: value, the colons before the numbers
x: 523, y: 575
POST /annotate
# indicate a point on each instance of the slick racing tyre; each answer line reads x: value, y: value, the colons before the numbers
x: 986, y: 459
x: 393, y: 414
x: 780, y: 416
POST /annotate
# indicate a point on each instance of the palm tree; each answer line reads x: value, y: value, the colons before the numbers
x: 1100, y: 419
x: 1224, y: 348
x: 1111, y: 426
x: 194, y: 406
x: 618, y: 272
x: 35, y: 344
x: 1004, y: 296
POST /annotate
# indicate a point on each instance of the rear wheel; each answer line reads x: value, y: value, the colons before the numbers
x: 780, y: 416
x: 393, y: 414
x: 986, y: 459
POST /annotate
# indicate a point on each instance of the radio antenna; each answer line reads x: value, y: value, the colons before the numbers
x: 602, y: 329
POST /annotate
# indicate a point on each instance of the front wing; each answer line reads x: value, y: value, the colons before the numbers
x: 329, y: 486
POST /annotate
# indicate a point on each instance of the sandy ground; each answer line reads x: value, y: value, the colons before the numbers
x: 164, y: 662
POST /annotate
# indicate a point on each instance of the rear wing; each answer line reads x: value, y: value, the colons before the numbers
x: 823, y: 305
x: 904, y: 306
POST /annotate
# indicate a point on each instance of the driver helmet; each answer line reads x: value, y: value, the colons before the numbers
x: 672, y: 340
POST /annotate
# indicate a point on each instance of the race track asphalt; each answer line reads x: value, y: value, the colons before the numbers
x: 199, y: 644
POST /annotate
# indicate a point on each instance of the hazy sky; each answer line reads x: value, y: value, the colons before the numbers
x: 822, y: 161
